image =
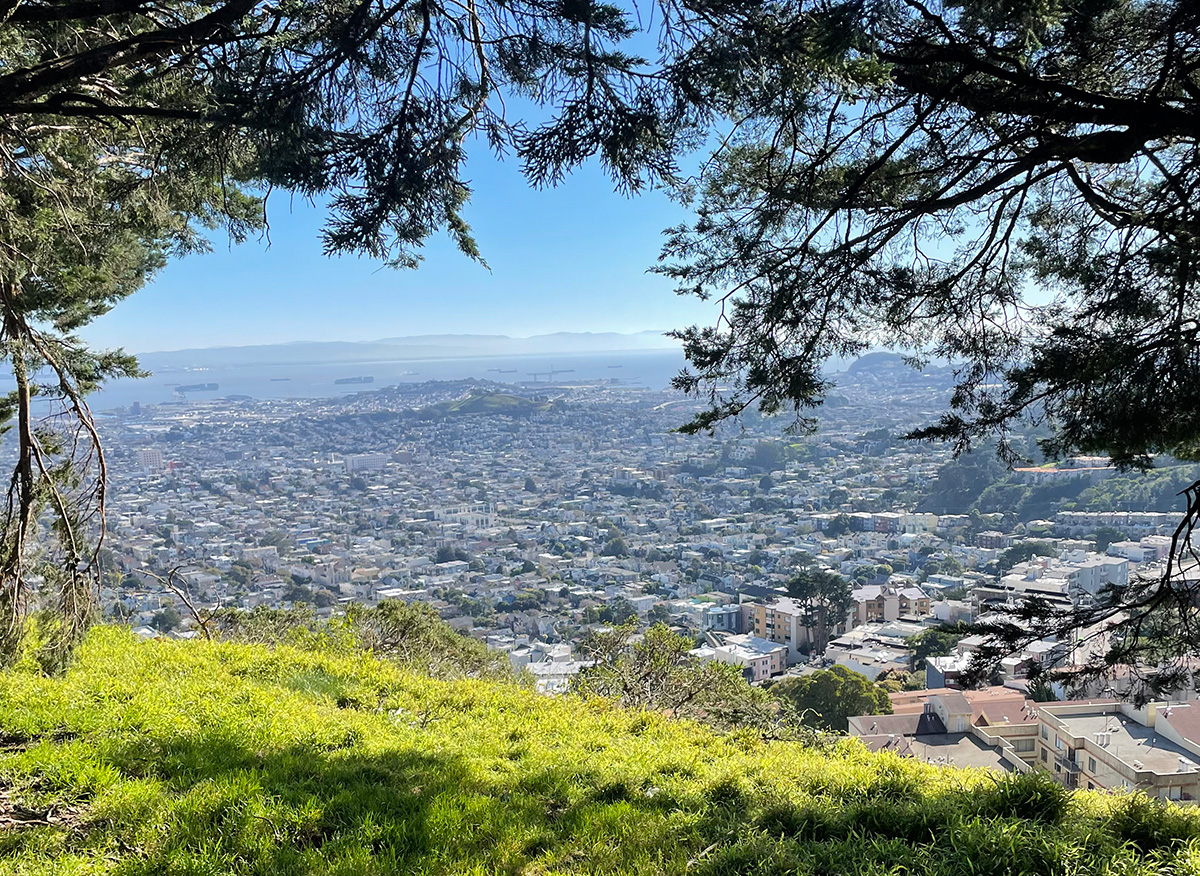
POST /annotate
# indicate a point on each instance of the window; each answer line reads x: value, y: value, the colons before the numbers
x: 1045, y: 757
x: 1023, y: 745
x: 1091, y: 764
x: 1057, y: 742
x: 1045, y: 732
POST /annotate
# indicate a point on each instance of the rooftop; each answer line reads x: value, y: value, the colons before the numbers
x: 957, y: 749
x: 1131, y: 743
x: 752, y: 646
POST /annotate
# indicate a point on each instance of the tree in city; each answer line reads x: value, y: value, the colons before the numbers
x: 658, y: 614
x: 1007, y: 187
x: 827, y: 698
x: 166, y: 619
x: 1106, y: 535
x: 838, y: 526
x: 936, y: 642
x: 621, y: 611
x: 1025, y: 551
x: 615, y: 547
x: 825, y: 599
x: 896, y: 681
x: 656, y: 672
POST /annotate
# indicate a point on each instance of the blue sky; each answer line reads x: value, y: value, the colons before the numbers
x: 572, y: 258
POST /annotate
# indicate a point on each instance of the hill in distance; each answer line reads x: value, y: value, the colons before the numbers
x: 408, y: 348
x: 205, y: 758
x: 499, y: 403
x: 878, y: 361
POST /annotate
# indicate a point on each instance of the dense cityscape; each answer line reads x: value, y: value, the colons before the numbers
x: 528, y: 517
x: 542, y: 439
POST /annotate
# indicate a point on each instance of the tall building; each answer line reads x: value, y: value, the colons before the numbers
x: 151, y: 459
x: 356, y: 462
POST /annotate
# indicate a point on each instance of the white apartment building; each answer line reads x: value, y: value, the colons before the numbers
x: 151, y: 459
x: 758, y: 658
x: 357, y: 462
x: 478, y: 515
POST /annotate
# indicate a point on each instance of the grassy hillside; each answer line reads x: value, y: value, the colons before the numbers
x: 497, y: 403
x: 204, y: 759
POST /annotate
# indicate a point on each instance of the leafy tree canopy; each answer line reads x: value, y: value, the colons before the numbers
x: 1023, y: 551
x: 1004, y: 185
x: 936, y: 642
x: 827, y: 698
x: 825, y: 599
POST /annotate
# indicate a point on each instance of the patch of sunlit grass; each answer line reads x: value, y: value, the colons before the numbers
x: 156, y: 757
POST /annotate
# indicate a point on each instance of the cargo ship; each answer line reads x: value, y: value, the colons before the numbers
x: 342, y: 381
x: 197, y: 387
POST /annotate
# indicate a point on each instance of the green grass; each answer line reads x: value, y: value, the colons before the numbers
x: 489, y: 403
x: 200, y: 758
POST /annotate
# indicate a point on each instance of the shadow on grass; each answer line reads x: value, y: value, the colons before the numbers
x: 332, y: 809
x: 209, y: 803
x: 301, y: 809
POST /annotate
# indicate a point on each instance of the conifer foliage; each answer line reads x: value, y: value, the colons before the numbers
x: 1007, y: 186
x: 131, y: 128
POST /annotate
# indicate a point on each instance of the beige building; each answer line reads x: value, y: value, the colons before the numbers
x: 1115, y: 746
x: 786, y: 622
x: 888, y: 602
x: 1088, y: 744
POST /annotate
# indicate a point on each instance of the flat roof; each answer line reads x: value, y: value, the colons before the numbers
x: 1130, y: 740
x: 948, y: 749
x: 752, y: 646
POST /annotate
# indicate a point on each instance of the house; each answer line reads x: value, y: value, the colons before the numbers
x: 758, y: 658
x: 1094, y: 744
x: 937, y: 726
x: 887, y: 602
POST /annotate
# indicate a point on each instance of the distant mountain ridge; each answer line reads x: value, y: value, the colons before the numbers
x: 415, y: 347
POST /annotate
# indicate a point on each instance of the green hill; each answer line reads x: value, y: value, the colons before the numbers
x: 201, y: 758
x: 487, y: 403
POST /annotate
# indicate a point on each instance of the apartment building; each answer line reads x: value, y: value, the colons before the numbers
x: 758, y: 658
x: 786, y: 622
x: 1090, y: 744
x: 150, y: 459
x: 1111, y: 745
x: 887, y: 602
x: 357, y: 462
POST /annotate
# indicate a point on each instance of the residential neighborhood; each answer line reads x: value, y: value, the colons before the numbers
x: 529, y: 518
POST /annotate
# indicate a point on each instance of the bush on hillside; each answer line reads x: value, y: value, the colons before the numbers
x: 411, y: 635
x: 655, y: 672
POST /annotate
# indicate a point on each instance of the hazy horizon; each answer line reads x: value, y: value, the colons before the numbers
x: 666, y: 342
